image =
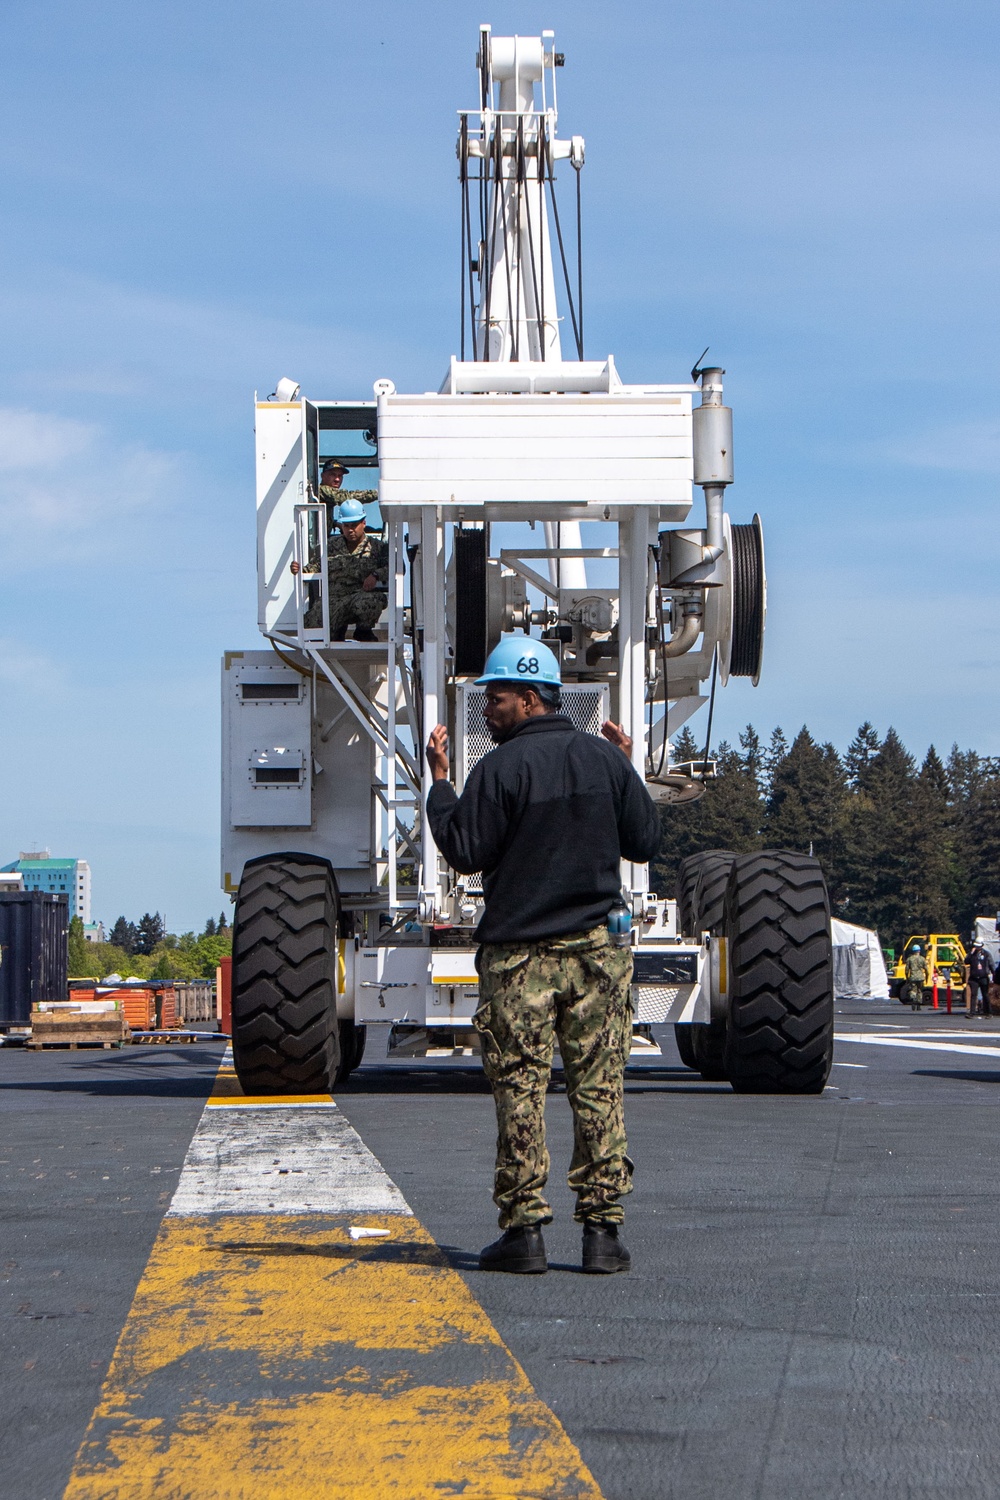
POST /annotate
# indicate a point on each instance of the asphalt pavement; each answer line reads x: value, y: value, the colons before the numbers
x: 811, y: 1309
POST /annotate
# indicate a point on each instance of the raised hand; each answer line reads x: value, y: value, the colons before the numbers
x: 616, y: 734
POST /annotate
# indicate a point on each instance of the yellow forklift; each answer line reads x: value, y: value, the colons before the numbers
x: 945, y: 955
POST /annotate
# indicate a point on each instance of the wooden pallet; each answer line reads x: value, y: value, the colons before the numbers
x: 54, y: 1029
x: 62, y: 1036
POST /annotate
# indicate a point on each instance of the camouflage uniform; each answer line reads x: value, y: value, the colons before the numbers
x: 576, y: 988
x: 916, y: 978
x: 347, y: 571
x: 350, y: 604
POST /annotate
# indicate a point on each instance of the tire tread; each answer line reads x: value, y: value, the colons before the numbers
x: 285, y: 1032
x: 780, y: 1033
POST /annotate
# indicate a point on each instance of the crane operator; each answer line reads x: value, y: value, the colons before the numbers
x: 547, y: 816
x: 357, y: 564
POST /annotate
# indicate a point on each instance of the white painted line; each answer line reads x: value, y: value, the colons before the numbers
x: 267, y: 1159
x: 922, y: 1046
x: 850, y: 1065
x: 925, y: 1035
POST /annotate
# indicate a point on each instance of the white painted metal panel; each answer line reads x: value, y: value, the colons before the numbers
x: 342, y: 771
x: 453, y: 1005
x: 541, y: 449
x: 280, y: 487
x: 452, y: 966
x: 391, y: 983
x: 269, y: 741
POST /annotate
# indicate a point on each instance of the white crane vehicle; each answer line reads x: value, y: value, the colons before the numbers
x: 346, y: 914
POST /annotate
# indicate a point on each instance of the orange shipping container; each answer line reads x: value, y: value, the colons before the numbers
x: 138, y: 1005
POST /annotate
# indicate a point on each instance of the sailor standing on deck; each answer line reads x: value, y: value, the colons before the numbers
x: 915, y: 969
x: 548, y: 816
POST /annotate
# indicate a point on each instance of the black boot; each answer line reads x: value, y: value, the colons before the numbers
x: 519, y: 1250
x: 603, y: 1251
x: 364, y: 633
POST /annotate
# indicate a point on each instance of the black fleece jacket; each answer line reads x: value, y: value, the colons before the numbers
x: 546, y: 816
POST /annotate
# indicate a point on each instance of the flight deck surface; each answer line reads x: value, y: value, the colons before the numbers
x: 810, y: 1312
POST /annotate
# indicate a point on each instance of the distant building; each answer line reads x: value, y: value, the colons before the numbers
x: 94, y: 932
x: 70, y: 877
x: 11, y: 880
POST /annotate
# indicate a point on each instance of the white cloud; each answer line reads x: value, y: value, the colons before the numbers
x: 63, y: 482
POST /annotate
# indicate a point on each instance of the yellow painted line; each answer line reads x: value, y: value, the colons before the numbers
x: 255, y: 1101
x: 226, y: 1091
x: 271, y: 1357
x: 321, y: 1352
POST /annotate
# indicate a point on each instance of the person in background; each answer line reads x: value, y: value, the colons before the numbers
x: 916, y: 976
x: 980, y: 973
x: 357, y: 566
x: 358, y: 569
x: 332, y: 494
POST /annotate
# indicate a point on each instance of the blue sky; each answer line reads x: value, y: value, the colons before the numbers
x: 200, y: 199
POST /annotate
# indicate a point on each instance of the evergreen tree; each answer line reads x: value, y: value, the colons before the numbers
x: 880, y: 831
x: 904, y: 851
x: 860, y: 753
x: 222, y: 928
x: 685, y: 747
x: 150, y: 932
x: 753, y: 753
x: 209, y: 928
x: 728, y: 816
x: 806, y: 805
x: 977, y: 840
x: 772, y: 757
x: 929, y: 892
x: 124, y: 935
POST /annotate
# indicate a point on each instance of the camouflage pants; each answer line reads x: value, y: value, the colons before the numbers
x: 576, y: 988
x: 358, y: 608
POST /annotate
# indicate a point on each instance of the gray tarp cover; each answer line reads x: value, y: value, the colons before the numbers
x: 858, y: 966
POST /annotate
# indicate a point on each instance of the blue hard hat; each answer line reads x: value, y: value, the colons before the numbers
x: 349, y: 510
x: 520, y: 659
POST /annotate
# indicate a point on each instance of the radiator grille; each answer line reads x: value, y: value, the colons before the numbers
x: 586, y: 706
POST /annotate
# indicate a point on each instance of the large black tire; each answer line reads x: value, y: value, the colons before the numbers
x: 286, y: 1039
x: 352, y: 1048
x: 701, y: 890
x: 779, y: 1039
x: 701, y: 883
x: 685, y: 1046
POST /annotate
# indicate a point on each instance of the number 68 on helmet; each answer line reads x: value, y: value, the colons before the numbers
x: 520, y: 659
